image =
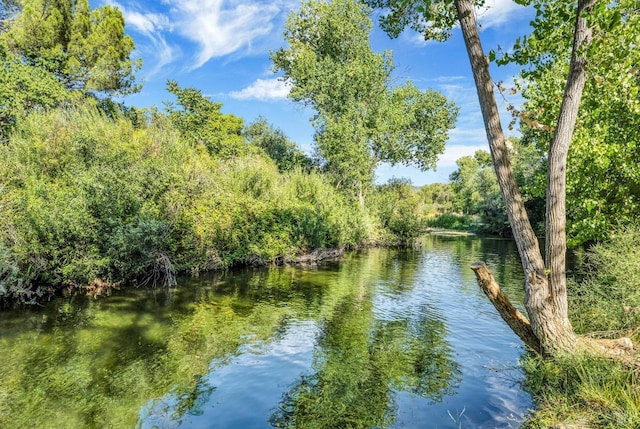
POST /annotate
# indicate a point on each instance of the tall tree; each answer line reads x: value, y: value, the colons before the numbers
x: 23, y: 88
x: 85, y: 49
x: 603, y: 175
x: 361, y: 120
x: 201, y: 122
x: 548, y: 329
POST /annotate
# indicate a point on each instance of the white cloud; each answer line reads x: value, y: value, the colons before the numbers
x: 222, y: 27
x: 454, y: 152
x: 152, y: 26
x: 218, y: 27
x: 498, y: 12
x: 264, y: 90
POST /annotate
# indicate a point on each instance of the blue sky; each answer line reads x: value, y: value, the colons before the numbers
x: 221, y: 47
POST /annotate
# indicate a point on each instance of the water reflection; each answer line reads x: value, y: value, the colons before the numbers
x: 389, y: 338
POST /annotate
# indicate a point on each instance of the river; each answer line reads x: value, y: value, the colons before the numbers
x: 384, y: 338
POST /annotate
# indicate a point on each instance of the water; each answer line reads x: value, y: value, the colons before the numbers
x: 383, y: 338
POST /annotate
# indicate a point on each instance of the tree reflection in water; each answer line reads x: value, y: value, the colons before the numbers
x: 360, y: 362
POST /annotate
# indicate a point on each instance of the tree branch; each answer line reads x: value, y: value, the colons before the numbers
x: 516, y: 320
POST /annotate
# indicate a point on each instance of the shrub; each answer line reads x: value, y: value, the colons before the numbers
x: 93, y: 200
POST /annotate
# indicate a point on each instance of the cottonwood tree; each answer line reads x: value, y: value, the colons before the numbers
x: 603, y: 174
x: 547, y: 330
x: 361, y: 120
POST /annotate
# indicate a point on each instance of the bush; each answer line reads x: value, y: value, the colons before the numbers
x: 93, y: 200
x: 452, y: 221
x: 399, y: 209
x: 606, y: 294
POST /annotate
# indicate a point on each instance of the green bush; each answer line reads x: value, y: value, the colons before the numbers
x: 93, y: 200
x: 452, y: 221
x: 606, y: 294
x: 399, y: 209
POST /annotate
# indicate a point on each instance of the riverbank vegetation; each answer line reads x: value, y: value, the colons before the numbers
x: 584, y: 390
x: 95, y: 195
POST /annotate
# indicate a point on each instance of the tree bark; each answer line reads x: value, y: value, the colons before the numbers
x: 556, y: 237
x: 545, y: 305
x: 516, y: 320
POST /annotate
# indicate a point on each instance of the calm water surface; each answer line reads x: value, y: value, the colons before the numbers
x: 383, y: 338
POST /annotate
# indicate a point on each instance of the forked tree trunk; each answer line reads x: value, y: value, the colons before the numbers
x: 545, y: 295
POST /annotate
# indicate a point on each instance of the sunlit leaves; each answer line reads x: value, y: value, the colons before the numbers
x: 602, y: 186
x: 361, y: 119
x: 85, y: 49
x: 201, y: 122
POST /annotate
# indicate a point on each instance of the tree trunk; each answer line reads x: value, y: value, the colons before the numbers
x: 516, y: 320
x: 556, y: 237
x: 546, y: 305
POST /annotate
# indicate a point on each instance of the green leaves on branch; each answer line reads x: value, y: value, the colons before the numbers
x: 361, y: 119
x: 85, y: 49
x: 603, y: 186
x: 276, y: 145
x: 201, y: 122
x: 23, y: 88
x: 432, y: 19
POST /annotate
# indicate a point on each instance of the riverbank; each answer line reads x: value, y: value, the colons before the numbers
x: 583, y: 391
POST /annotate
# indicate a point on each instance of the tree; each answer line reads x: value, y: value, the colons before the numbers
x: 85, y: 49
x: 361, y: 120
x: 603, y: 180
x: 275, y: 143
x: 200, y: 121
x: 548, y: 329
x: 23, y: 88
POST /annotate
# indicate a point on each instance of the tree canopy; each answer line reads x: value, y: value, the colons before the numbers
x: 361, y: 120
x: 200, y: 121
x: 603, y: 184
x: 85, y: 49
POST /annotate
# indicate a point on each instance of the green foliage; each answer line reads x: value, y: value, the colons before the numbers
x: 276, y: 145
x: 603, y: 185
x: 433, y: 19
x: 582, y: 391
x: 604, y: 300
x: 85, y: 49
x: 361, y: 120
x: 24, y: 88
x: 90, y: 201
x: 606, y: 296
x: 398, y: 207
x: 452, y: 221
x: 201, y: 122
x: 476, y: 187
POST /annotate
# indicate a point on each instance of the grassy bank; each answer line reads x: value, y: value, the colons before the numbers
x: 604, y: 300
x: 88, y: 202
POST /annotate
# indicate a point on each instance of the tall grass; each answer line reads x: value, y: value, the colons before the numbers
x: 604, y: 301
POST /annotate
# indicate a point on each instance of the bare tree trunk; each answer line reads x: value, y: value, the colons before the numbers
x: 548, y: 317
x: 556, y: 237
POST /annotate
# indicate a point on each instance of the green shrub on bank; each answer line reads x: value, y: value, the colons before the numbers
x: 606, y: 297
x: 451, y: 221
x: 399, y: 209
x: 88, y: 202
x: 605, y: 300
